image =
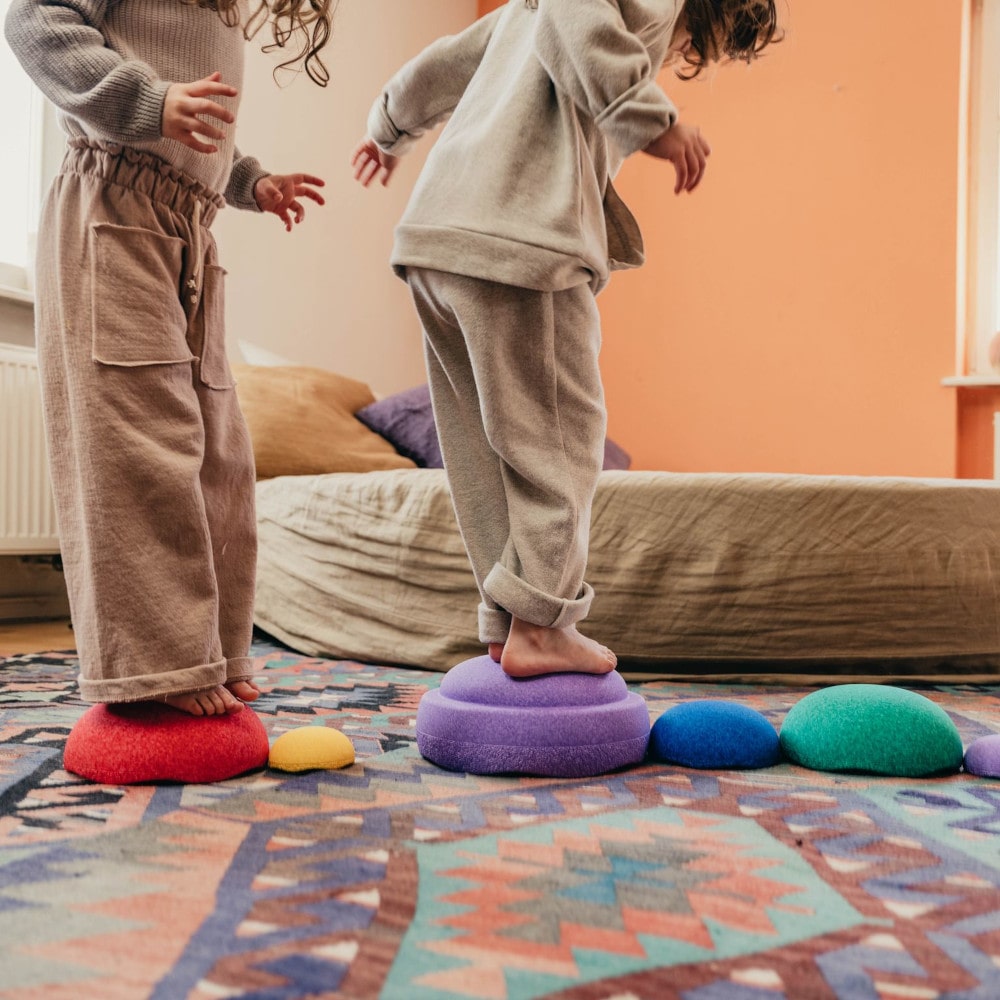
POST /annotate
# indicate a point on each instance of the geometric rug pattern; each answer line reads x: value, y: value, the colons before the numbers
x: 394, y: 878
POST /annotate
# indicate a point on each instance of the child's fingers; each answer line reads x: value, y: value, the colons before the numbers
x: 212, y: 110
x: 211, y: 85
x: 195, y: 124
x: 368, y: 172
x: 363, y: 148
x: 309, y: 193
x: 694, y: 169
x: 680, y: 168
x: 189, y: 139
x: 360, y: 163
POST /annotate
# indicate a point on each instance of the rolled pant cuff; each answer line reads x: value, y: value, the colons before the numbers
x: 494, y: 624
x: 149, y: 687
x: 239, y: 668
x: 532, y: 605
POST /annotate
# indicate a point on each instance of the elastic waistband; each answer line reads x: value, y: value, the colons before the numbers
x: 144, y: 173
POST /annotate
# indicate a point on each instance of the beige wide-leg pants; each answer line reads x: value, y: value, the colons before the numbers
x: 519, y: 405
x: 151, y: 461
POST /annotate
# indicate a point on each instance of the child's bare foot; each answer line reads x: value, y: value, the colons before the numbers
x: 531, y: 650
x: 215, y: 701
x: 496, y: 651
x: 245, y: 690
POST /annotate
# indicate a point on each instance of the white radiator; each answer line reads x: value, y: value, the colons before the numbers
x: 27, y: 514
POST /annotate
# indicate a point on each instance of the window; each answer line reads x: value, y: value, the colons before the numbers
x: 20, y: 171
x: 979, y: 249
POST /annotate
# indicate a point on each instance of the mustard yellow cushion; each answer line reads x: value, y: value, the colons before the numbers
x: 309, y: 748
x: 302, y: 422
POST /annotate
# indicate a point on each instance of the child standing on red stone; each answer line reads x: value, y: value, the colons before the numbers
x: 151, y: 462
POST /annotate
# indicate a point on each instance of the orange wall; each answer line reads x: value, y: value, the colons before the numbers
x: 797, y: 312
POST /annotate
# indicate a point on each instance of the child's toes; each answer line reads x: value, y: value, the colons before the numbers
x: 244, y: 690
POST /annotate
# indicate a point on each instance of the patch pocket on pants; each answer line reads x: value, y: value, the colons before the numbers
x: 137, y: 318
x: 214, y: 370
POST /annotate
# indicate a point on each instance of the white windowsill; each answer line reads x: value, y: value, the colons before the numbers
x: 21, y: 295
x: 972, y: 381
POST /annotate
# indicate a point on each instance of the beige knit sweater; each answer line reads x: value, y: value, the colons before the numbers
x: 544, y: 103
x: 106, y: 66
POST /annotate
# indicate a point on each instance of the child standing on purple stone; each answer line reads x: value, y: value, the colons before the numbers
x: 512, y: 229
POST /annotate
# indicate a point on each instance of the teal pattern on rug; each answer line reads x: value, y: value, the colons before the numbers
x: 637, y: 875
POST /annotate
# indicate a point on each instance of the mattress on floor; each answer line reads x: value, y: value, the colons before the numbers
x: 712, y: 576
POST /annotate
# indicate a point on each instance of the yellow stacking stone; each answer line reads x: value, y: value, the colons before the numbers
x: 309, y: 748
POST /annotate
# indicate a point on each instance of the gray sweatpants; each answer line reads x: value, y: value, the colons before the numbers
x: 519, y: 405
x: 152, y: 467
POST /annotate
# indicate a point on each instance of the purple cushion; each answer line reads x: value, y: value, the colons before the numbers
x: 615, y: 456
x: 482, y: 721
x: 142, y: 742
x: 406, y: 421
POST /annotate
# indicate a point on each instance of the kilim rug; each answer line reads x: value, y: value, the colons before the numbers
x: 393, y: 878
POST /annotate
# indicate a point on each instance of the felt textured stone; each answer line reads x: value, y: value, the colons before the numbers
x: 714, y: 734
x: 147, y: 742
x: 309, y: 748
x: 871, y: 728
x: 983, y: 757
x: 482, y: 721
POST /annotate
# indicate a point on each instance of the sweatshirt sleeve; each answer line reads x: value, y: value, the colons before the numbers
x: 591, y: 55
x: 60, y: 45
x: 426, y: 90
x: 242, y: 181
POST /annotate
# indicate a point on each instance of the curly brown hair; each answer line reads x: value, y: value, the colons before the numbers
x: 309, y: 19
x: 728, y: 29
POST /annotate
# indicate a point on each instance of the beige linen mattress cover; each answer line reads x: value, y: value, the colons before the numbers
x: 802, y: 579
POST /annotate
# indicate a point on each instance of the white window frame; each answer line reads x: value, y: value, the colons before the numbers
x: 16, y: 278
x: 978, y: 318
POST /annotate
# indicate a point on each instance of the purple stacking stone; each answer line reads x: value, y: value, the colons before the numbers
x: 982, y: 757
x: 568, y: 725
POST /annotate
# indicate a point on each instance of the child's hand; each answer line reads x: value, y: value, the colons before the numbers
x: 685, y: 148
x: 280, y: 193
x: 184, y: 105
x: 368, y: 160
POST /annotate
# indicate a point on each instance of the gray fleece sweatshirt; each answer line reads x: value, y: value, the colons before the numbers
x: 543, y: 105
x: 106, y: 66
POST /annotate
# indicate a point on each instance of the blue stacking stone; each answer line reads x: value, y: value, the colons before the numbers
x: 714, y: 734
x: 871, y: 729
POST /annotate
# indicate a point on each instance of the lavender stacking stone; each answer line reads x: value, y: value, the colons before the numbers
x: 558, y: 725
x: 983, y: 757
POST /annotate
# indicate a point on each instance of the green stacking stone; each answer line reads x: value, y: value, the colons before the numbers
x: 873, y: 729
